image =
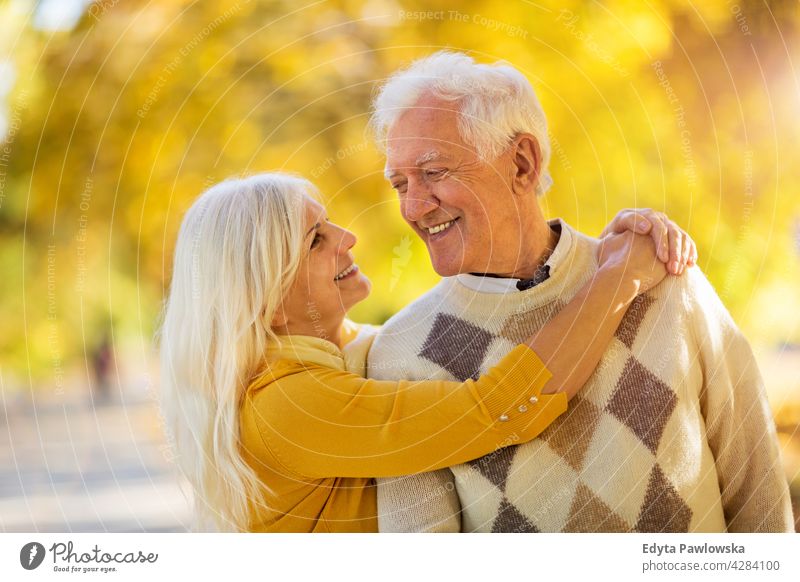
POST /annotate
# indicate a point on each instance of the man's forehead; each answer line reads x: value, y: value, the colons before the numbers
x: 424, y: 120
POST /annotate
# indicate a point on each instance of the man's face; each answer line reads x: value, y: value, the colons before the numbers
x: 461, y: 206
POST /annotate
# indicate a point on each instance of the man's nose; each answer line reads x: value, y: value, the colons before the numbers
x: 416, y: 203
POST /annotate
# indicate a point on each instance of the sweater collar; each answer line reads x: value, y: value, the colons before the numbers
x: 356, y: 340
x: 500, y: 285
x: 307, y: 349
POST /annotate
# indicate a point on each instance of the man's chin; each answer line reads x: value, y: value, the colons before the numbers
x: 447, y: 267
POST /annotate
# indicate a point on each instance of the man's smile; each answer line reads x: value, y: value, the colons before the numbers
x: 438, y: 231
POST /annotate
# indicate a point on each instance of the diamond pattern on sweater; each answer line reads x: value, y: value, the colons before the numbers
x: 457, y: 346
x: 617, y: 468
x: 495, y: 466
x: 642, y: 424
x: 590, y: 514
x: 629, y: 326
x: 571, y: 436
x: 544, y: 494
x: 510, y: 520
x: 663, y: 509
x: 643, y: 403
x: 520, y: 326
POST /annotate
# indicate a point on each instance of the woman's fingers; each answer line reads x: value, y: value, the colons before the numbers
x: 676, y: 242
x: 692, y: 254
x: 660, y: 231
x: 688, y: 244
x: 660, y: 236
x: 674, y: 247
x: 628, y: 219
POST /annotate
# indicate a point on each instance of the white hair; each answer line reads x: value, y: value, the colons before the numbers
x: 237, y: 254
x: 497, y: 103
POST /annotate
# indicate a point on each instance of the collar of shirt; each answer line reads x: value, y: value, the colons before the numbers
x: 501, y: 285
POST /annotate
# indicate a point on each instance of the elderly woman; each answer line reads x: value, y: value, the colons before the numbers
x: 273, y: 431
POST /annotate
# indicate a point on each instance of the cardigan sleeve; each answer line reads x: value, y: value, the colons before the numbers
x: 319, y: 422
x: 741, y: 431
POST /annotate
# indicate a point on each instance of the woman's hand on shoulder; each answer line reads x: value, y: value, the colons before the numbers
x: 631, y: 259
x: 673, y: 245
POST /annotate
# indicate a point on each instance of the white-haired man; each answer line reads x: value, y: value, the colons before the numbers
x: 673, y: 431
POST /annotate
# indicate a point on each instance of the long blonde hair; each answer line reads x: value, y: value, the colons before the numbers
x: 237, y: 254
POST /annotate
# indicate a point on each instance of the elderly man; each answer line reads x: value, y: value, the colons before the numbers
x: 672, y: 433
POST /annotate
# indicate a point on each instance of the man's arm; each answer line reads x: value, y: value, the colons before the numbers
x: 421, y: 503
x: 741, y: 431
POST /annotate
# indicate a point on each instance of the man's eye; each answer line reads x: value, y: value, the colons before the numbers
x: 400, y: 186
x: 438, y: 173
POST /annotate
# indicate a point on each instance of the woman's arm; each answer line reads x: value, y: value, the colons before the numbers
x: 572, y: 343
x: 319, y: 422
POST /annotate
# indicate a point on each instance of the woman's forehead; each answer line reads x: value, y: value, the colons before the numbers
x: 314, y: 210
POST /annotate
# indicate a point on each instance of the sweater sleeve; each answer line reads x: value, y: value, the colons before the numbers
x: 741, y: 431
x: 420, y: 503
x: 321, y: 422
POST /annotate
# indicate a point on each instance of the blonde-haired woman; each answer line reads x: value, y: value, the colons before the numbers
x: 272, y: 430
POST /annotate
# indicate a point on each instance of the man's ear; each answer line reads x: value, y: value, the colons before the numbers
x: 526, y: 163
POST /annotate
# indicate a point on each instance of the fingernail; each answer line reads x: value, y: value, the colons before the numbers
x: 673, y: 266
x: 642, y: 225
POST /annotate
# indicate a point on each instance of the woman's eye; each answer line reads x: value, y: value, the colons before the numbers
x: 316, y: 241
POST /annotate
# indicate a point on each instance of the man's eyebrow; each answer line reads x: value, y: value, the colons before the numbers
x: 431, y: 156
x: 427, y: 157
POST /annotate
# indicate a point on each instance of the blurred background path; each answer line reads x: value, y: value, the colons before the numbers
x: 70, y: 463
x: 67, y: 464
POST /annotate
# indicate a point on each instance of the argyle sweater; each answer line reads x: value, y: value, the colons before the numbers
x: 672, y: 433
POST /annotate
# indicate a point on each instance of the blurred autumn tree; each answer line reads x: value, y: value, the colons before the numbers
x: 115, y: 125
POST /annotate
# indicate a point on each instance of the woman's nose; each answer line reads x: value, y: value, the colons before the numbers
x: 347, y: 241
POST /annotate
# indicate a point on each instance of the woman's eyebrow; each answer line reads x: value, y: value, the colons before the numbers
x: 317, y: 226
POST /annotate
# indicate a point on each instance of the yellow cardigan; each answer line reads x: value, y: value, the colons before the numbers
x: 316, y: 435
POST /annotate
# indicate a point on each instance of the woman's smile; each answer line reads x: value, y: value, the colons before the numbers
x: 349, y: 272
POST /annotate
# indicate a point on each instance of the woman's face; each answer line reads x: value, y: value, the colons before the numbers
x: 328, y: 281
